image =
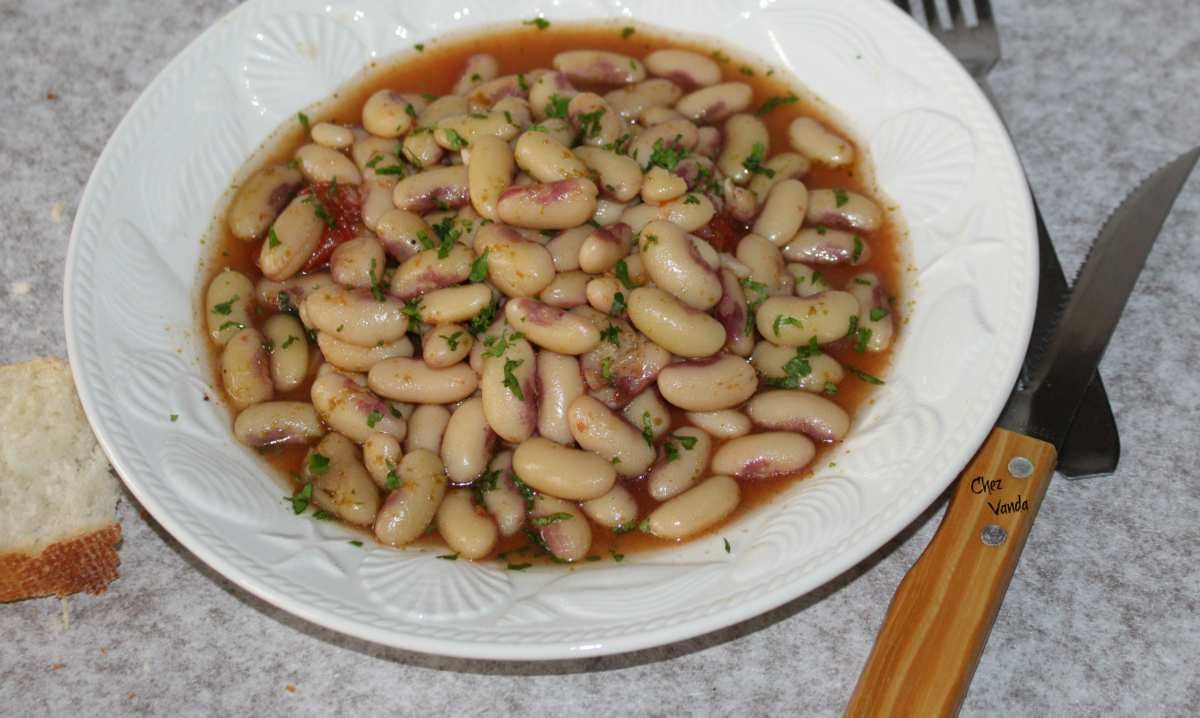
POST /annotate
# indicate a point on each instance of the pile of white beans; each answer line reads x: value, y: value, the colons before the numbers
x: 500, y: 347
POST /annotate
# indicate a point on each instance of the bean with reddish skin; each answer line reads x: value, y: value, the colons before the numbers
x: 433, y: 188
x: 710, y: 105
x: 792, y: 410
x: 358, y: 262
x: 688, y: 69
x: 676, y: 266
x: 554, y: 205
x: 568, y: 539
x: 352, y: 357
x: 875, y: 312
x: 619, y: 176
x: 356, y: 316
x: 511, y: 412
x: 400, y: 232
x: 296, y: 289
x: 275, y: 423
x: 731, y: 311
x: 381, y: 456
x: 617, y: 373
x: 551, y: 328
x: 297, y: 232
x: 426, y: 271
x: 604, y: 247
x: 408, y: 510
x: 821, y: 245
x: 504, y: 501
x: 260, y: 199
x: 769, y: 455
x: 670, y: 477
x: 599, y: 67
x: 352, y: 410
x: 843, y: 210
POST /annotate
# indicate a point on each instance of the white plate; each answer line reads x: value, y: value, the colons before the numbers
x: 939, y: 150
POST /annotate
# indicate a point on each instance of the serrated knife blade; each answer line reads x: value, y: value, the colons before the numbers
x: 1066, y: 349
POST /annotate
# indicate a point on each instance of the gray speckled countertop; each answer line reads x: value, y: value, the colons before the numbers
x: 1103, y: 617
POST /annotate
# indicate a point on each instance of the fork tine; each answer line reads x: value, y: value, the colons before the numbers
x: 956, y: 15
x: 931, y: 16
x: 983, y: 11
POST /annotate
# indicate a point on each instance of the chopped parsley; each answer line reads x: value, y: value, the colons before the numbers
x: 728, y: 548
x: 621, y: 145
x: 821, y: 229
x: 527, y: 492
x: 522, y: 83
x: 785, y: 320
x: 496, y: 346
x: 840, y: 197
x: 320, y: 211
x: 552, y: 518
x: 689, y: 442
x: 691, y: 199
x: 373, y: 418
x: 611, y: 334
x: 623, y: 528
x: 231, y: 324
x: 272, y: 238
x: 557, y: 107
x: 225, y: 308
x: 753, y: 161
x: 448, y: 557
x: 627, y: 32
x: 671, y: 452
x: 862, y: 337
x: 355, y: 542
x: 412, y: 310
x: 667, y: 157
x: 863, y: 375
x: 540, y: 23
x: 618, y: 305
x: 606, y: 369
x: 391, y: 481
x: 762, y: 291
x: 510, y: 380
x: 420, y: 46
x: 618, y: 557
x: 796, y: 368
x: 720, y: 56
x: 746, y: 71
x: 484, y: 484
x: 292, y: 339
x: 424, y: 240
x: 410, y: 110
x: 480, y: 322
x: 323, y: 515
x: 651, y: 240
x: 622, y: 271
x: 452, y: 340
x: 878, y: 313
x: 301, y: 498
x: 457, y: 142
x: 519, y: 566
x: 447, y: 236
x: 303, y: 119
x: 589, y: 123
x: 776, y: 101
x: 285, y: 303
x: 648, y: 428
x: 830, y: 389
x: 174, y: 418
x: 376, y: 285
x: 858, y: 248
x: 317, y: 464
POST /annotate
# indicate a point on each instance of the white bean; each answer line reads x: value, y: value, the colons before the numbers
x: 656, y: 92
x: 228, y: 303
x: 679, y: 135
x: 400, y: 232
x: 562, y: 527
x: 388, y: 113
x: 288, y: 295
x: 769, y: 455
x: 412, y: 381
x: 723, y: 424
x: 685, y: 456
x: 480, y: 68
x: 461, y: 131
x: 652, y: 116
x: 689, y: 69
x: 467, y: 443
x: 489, y: 173
x: 274, y: 423
x: 808, y: 281
x: 619, y: 176
x: 608, y: 212
x: 604, y: 247
x: 815, y: 141
x: 554, y: 205
x: 764, y: 260
x: 425, y: 428
x: 381, y: 456
x: 352, y: 357
x: 566, y: 290
x: 409, y: 509
x: 246, y: 370
x: 821, y: 245
x: 710, y: 105
x: 446, y: 345
x: 675, y: 265
x: 353, y: 410
x: 288, y: 348
x: 595, y: 119
x: 745, y: 136
x: 560, y: 383
x: 358, y: 262
x: 785, y: 165
x: 260, y: 199
x: 563, y: 472
x: 601, y: 431
x: 432, y: 189
x: 503, y: 500
x: 648, y: 413
x: 788, y: 410
x: 441, y: 108
x: 783, y: 212
x: 616, y: 509
x: 874, y: 314
x: 701, y: 507
x: 842, y: 209
x: 376, y: 196
x: 291, y: 240
x: 335, y: 137
x: 546, y: 159
x: 823, y: 370
x: 564, y: 248
x: 659, y: 185
x: 321, y: 164
x: 429, y: 270
x: 468, y: 534
x: 673, y: 325
x: 517, y: 267
x: 602, y: 292
x: 551, y: 328
x: 599, y: 67
x: 356, y: 316
x: 508, y: 384
x: 710, y: 385
x: 732, y: 312
x: 342, y: 487
x: 794, y: 321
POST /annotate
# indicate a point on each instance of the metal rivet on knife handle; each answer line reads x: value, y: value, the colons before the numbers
x: 1020, y: 467
x: 993, y: 535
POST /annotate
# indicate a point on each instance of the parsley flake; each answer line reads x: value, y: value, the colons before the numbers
x: 618, y: 305
x: 648, y: 428
x: 753, y: 161
x: 540, y: 23
x: 373, y: 418
x: 863, y: 375
x: 557, y: 107
x: 878, y: 313
x: 552, y: 518
x: 303, y: 119
x: 776, y: 101
x: 622, y: 271
x: 784, y: 320
x: 452, y: 340
x: 272, y: 238
x: 225, y: 308
x: 589, y: 123
x: 840, y: 197
x: 510, y: 380
x: 301, y: 498
x: 627, y: 32
x: 611, y: 334
x: 317, y: 464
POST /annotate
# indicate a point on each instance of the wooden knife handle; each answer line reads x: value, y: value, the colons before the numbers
x: 940, y: 617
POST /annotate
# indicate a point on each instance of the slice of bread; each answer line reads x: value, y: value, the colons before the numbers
x: 58, y: 522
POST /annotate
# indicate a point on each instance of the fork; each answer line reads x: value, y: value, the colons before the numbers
x: 1093, y: 446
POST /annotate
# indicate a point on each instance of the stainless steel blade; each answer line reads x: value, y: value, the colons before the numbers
x: 1065, y: 352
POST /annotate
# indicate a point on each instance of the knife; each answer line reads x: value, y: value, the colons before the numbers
x: 938, y: 622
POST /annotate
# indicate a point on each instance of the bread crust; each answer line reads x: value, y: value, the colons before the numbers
x: 87, y: 562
